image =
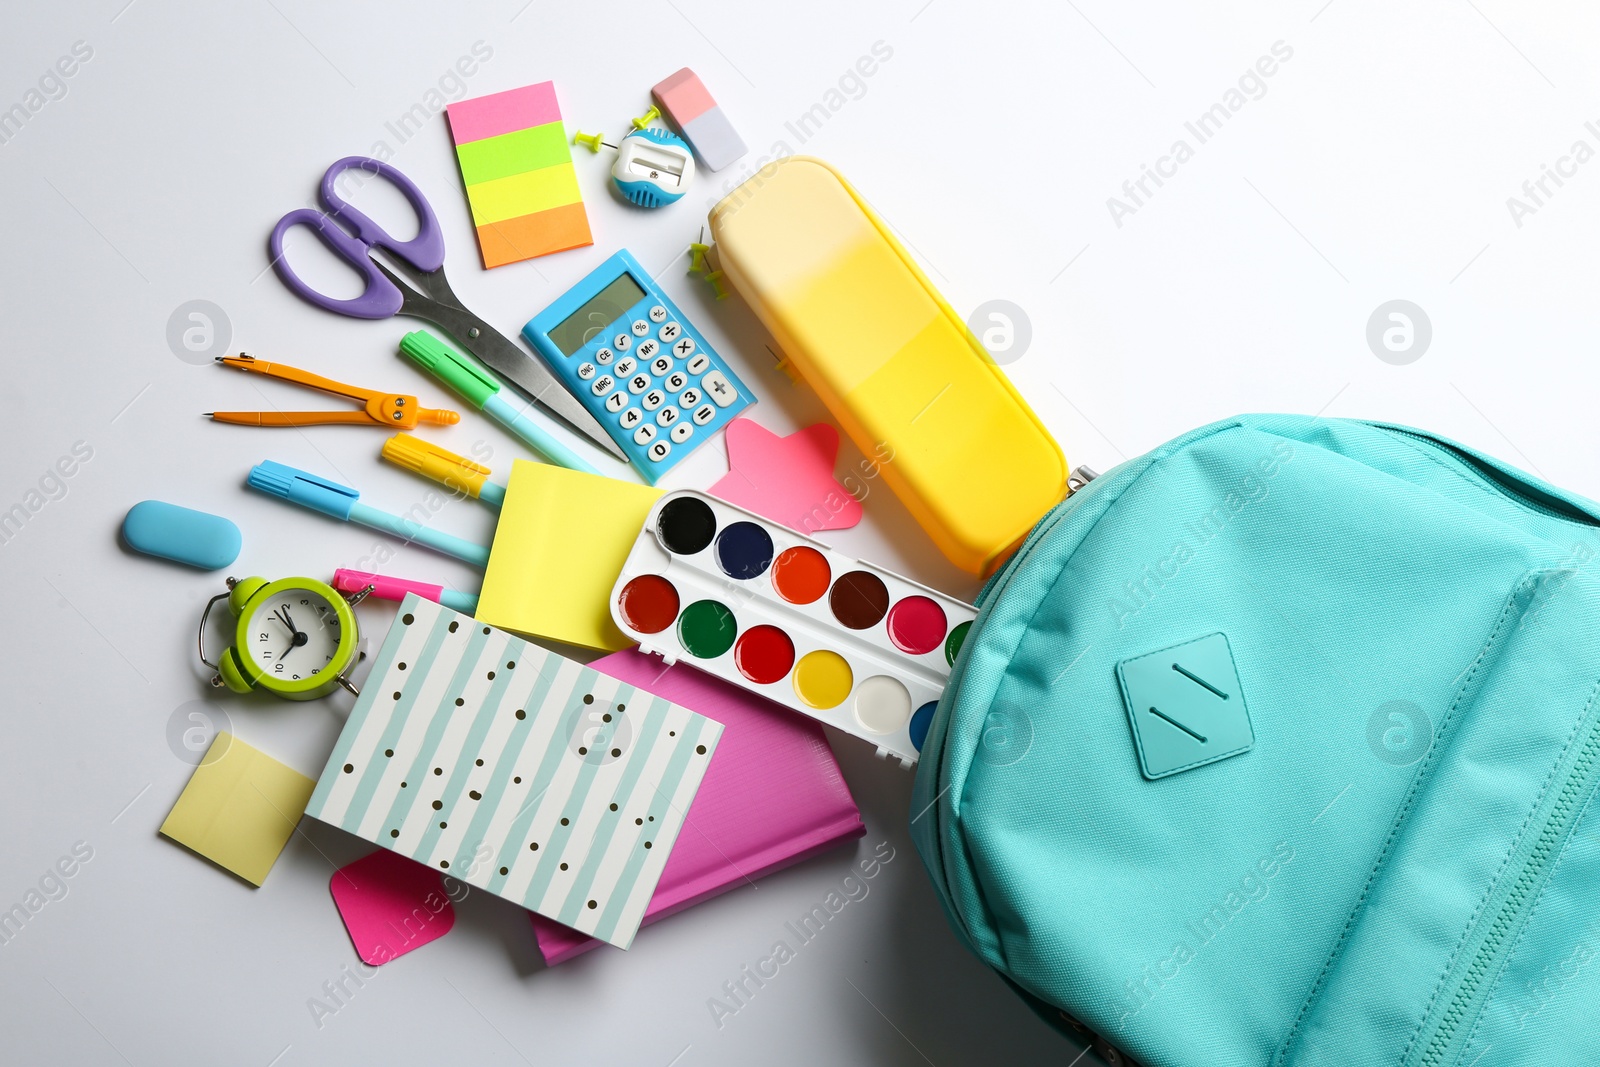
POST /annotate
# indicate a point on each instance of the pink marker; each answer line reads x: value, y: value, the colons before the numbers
x: 385, y: 587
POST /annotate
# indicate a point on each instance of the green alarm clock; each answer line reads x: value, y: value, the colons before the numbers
x: 295, y: 638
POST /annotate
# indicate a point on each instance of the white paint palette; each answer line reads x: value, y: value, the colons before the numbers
x: 852, y: 645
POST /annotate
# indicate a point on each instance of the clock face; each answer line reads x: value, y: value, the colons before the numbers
x: 294, y: 635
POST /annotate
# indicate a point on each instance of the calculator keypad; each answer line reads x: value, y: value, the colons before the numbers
x: 654, y: 358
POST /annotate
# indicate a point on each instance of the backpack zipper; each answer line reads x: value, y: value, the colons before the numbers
x: 1515, y: 904
x: 1496, y: 480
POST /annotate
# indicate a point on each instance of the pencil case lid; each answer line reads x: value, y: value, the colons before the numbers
x: 895, y: 364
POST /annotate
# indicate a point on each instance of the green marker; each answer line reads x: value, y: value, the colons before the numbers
x: 463, y: 376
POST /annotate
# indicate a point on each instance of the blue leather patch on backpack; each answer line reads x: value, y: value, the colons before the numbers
x: 1185, y: 705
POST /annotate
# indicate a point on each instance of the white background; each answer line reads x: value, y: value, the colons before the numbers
x: 1375, y: 165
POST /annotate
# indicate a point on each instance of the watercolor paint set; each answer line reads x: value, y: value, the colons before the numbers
x: 850, y: 644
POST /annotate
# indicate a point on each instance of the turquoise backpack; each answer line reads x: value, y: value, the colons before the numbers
x: 1276, y: 746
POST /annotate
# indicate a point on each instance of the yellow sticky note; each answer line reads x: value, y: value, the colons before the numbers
x: 562, y: 540
x: 239, y: 808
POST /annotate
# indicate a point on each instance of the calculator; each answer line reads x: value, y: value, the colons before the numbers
x: 621, y: 346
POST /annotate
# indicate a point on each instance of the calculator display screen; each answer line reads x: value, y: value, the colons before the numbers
x: 591, y: 320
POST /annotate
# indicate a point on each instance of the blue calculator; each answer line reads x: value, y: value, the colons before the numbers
x: 620, y: 345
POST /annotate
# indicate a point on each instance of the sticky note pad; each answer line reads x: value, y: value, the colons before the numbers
x: 687, y: 104
x: 562, y: 540
x: 391, y: 905
x: 515, y: 770
x: 239, y: 808
x: 517, y: 167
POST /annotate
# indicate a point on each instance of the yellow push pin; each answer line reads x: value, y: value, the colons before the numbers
x: 593, y: 140
x: 715, y: 278
x: 697, y: 257
x: 647, y: 118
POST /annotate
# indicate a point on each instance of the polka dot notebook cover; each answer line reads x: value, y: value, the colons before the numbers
x: 516, y: 770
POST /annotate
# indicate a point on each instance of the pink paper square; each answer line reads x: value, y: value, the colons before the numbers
x: 391, y: 905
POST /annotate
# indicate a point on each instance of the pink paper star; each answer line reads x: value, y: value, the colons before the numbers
x: 787, y: 479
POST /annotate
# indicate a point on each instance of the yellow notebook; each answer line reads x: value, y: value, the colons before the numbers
x: 562, y: 540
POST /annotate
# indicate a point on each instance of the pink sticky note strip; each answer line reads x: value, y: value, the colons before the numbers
x: 391, y: 905
x: 507, y: 112
x: 787, y: 479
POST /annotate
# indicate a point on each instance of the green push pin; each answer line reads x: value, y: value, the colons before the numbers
x: 647, y: 118
x: 592, y: 140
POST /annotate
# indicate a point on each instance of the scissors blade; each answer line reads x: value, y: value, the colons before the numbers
x: 534, y: 379
x: 522, y: 369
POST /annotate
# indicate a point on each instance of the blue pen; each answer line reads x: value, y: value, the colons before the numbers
x: 482, y: 390
x: 342, y: 502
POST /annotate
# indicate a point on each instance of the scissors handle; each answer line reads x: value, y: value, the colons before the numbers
x: 425, y: 251
x: 380, y: 297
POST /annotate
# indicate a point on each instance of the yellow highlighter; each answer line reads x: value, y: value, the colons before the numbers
x: 890, y: 358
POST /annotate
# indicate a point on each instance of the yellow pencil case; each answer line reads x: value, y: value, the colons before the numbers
x: 893, y: 362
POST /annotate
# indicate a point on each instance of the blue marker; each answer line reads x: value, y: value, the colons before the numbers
x: 482, y: 390
x: 342, y: 502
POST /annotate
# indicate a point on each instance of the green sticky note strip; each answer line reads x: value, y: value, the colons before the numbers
x: 239, y: 808
x: 513, y: 153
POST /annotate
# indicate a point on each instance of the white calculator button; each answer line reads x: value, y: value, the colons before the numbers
x: 647, y: 348
x: 704, y: 414
x: 603, y: 385
x: 604, y: 356
x: 586, y: 371
x: 661, y: 366
x: 659, y: 450
x: 640, y: 327
x: 622, y: 342
x: 644, y: 434
x: 638, y: 383
x: 676, y: 381
x: 699, y: 363
x: 630, y: 418
x: 667, y: 416
x: 625, y: 367
x: 658, y: 314
x: 616, y: 401
x: 689, y: 398
x: 683, y: 348
x: 722, y: 392
x: 682, y: 432
x: 653, y: 399
x: 669, y: 332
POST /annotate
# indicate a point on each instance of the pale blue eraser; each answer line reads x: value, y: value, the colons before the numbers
x: 182, y: 535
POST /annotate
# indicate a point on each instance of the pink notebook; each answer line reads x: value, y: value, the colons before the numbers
x: 772, y: 796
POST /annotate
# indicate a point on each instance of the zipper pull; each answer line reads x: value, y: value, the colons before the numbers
x: 1080, y: 476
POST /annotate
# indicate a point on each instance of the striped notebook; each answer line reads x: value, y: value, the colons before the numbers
x: 517, y: 167
x: 773, y: 797
x: 516, y: 770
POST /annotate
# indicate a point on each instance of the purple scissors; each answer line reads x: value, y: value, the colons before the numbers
x: 353, y: 237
